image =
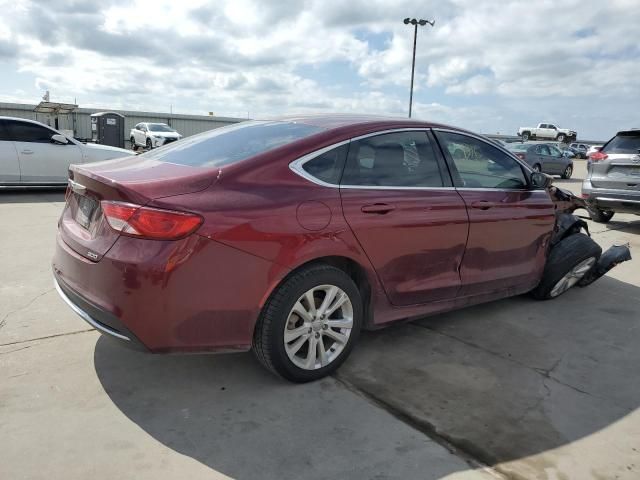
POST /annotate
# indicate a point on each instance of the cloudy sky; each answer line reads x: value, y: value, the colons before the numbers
x: 490, y: 66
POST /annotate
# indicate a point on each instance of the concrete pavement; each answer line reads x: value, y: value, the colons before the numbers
x: 536, y: 390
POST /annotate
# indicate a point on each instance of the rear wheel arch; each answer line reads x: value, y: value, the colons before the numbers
x: 351, y: 267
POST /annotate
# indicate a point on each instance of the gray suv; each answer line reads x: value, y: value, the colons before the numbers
x: 613, y: 177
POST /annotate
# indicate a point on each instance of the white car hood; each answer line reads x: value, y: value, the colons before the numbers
x: 165, y: 134
x: 96, y: 146
x: 92, y: 152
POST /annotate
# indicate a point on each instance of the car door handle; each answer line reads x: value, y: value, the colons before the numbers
x: 483, y: 205
x: 27, y: 152
x: 379, y: 208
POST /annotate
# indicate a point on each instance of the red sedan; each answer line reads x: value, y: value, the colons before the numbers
x: 288, y: 237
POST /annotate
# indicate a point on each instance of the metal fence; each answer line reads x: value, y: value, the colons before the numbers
x: 79, y: 122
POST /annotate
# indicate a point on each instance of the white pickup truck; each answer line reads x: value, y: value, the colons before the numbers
x: 547, y: 131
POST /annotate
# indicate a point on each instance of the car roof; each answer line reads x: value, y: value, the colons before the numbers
x: 629, y: 131
x: 361, y: 122
x: 24, y: 120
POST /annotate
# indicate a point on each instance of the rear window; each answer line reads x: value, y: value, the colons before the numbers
x: 231, y: 144
x: 623, y: 143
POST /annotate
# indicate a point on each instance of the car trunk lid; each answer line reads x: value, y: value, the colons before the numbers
x: 133, y: 180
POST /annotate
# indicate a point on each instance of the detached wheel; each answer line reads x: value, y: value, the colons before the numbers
x: 567, y: 172
x: 309, y: 325
x: 568, y: 262
x: 599, y: 216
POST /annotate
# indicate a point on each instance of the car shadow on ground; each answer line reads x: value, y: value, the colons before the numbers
x: 500, y: 381
x: 632, y: 226
x: 44, y: 195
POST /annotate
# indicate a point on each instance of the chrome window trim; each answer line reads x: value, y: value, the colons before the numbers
x: 296, y: 165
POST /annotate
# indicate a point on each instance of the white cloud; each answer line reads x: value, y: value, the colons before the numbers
x: 509, y: 62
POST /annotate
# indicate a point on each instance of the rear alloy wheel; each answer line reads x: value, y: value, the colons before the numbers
x: 525, y: 136
x: 309, y: 325
x: 600, y: 216
x: 568, y: 261
x: 567, y: 172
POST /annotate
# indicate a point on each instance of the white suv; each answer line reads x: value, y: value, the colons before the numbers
x: 151, y: 135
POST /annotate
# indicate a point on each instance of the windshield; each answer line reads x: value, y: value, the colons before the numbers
x: 160, y: 127
x: 623, y: 143
x: 233, y: 143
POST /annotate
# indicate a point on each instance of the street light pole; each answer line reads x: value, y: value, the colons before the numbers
x: 415, y: 23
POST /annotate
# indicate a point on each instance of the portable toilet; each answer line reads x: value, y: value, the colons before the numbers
x: 107, y: 128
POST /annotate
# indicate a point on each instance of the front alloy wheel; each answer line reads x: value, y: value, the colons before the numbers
x: 572, y: 277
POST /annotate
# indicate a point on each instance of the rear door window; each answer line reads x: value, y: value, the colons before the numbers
x: 233, y: 143
x: 4, y: 133
x: 623, y: 143
x: 403, y: 159
x: 29, y: 132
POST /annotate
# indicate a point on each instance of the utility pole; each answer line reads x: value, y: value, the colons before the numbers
x: 415, y: 23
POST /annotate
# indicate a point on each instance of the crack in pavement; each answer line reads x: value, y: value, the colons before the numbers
x: 545, y: 373
x: 424, y: 427
x: 76, y: 332
x: 24, y: 307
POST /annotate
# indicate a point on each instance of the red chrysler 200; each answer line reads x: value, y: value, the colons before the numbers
x: 290, y: 236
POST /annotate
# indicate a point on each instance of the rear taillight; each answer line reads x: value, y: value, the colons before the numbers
x: 520, y: 156
x: 152, y: 223
x: 598, y: 156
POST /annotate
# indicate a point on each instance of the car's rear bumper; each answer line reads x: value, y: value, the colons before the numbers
x: 106, y: 323
x: 191, y: 295
x: 623, y: 201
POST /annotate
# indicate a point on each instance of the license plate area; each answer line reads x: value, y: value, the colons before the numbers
x: 85, y: 210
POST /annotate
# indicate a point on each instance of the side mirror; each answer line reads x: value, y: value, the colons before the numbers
x: 541, y: 180
x: 61, y: 139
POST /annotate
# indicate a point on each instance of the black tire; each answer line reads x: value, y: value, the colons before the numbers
x: 564, y: 256
x: 134, y: 147
x: 525, y: 136
x: 537, y: 168
x: 567, y: 172
x: 268, y: 338
x: 600, y: 216
x: 561, y: 137
x: 149, y: 145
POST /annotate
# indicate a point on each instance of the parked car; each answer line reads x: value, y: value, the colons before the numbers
x: 612, y: 183
x: 288, y: 237
x: 593, y: 149
x: 546, y: 131
x: 33, y: 154
x: 544, y: 157
x: 151, y: 135
x: 579, y: 149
